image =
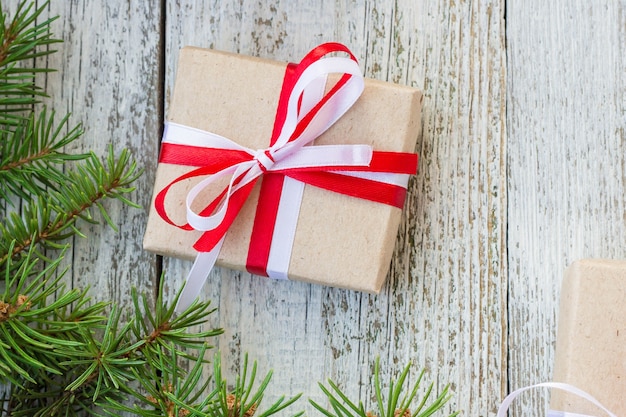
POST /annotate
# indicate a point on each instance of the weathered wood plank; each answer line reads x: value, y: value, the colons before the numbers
x: 108, y: 78
x: 444, y: 306
x: 566, y: 146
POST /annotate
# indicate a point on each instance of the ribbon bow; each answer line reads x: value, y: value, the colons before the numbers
x: 305, y: 111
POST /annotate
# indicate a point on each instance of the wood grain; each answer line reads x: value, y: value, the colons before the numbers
x: 108, y: 78
x: 521, y: 172
x: 566, y: 146
x: 444, y: 306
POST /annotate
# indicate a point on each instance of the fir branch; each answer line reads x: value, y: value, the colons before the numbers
x: 165, y: 390
x: 31, y: 341
x: 31, y: 157
x: 22, y: 40
x: 245, y: 400
x: 178, y: 395
x: 100, y: 369
x: 394, y: 405
x: 50, y: 221
x: 163, y: 328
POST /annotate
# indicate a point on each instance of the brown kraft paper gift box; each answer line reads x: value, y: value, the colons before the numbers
x: 591, y: 338
x: 340, y: 241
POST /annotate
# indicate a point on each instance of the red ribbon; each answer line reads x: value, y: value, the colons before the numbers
x: 210, y: 161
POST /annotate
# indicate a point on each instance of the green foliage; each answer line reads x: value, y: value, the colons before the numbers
x: 61, y: 352
x: 24, y: 38
x: 244, y: 399
x: 92, y: 358
x: 397, y: 403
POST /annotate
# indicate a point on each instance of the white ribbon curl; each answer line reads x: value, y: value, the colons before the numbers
x: 506, y: 403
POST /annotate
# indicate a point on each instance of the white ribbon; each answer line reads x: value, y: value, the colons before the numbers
x: 290, y: 197
x: 506, y: 403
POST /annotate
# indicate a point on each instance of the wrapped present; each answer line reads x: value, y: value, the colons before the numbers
x: 591, y: 337
x: 294, y: 171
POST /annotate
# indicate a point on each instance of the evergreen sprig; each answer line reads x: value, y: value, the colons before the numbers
x: 23, y: 38
x: 397, y: 403
x: 185, y: 395
x: 98, y: 358
x: 32, y: 157
x: 244, y: 400
x: 47, y: 222
x: 31, y: 337
x: 61, y: 352
x: 165, y: 390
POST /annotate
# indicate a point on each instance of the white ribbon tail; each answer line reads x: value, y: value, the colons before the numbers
x: 285, y: 229
x: 204, y: 263
x: 506, y: 403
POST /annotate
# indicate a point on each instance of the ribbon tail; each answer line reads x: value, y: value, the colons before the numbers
x: 202, y: 266
x: 285, y: 229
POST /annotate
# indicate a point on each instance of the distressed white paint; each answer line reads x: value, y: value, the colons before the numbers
x: 444, y: 306
x: 108, y: 78
x: 566, y: 145
x: 521, y: 172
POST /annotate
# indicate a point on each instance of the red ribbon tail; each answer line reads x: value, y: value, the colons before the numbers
x: 264, y: 223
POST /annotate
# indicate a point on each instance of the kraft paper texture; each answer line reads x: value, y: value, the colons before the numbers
x: 340, y: 241
x: 591, y: 341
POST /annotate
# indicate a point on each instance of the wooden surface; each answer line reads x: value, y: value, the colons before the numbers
x: 521, y: 172
x: 566, y: 141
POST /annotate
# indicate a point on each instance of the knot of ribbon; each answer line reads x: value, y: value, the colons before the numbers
x: 306, y: 109
x: 265, y: 159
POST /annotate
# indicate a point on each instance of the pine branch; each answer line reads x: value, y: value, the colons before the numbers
x: 165, y: 391
x: 177, y: 395
x: 99, y: 370
x: 394, y: 405
x: 33, y: 337
x: 50, y: 221
x: 245, y: 400
x: 22, y: 40
x: 31, y: 157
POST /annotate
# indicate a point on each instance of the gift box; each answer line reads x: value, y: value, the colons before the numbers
x: 591, y: 337
x: 340, y: 240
